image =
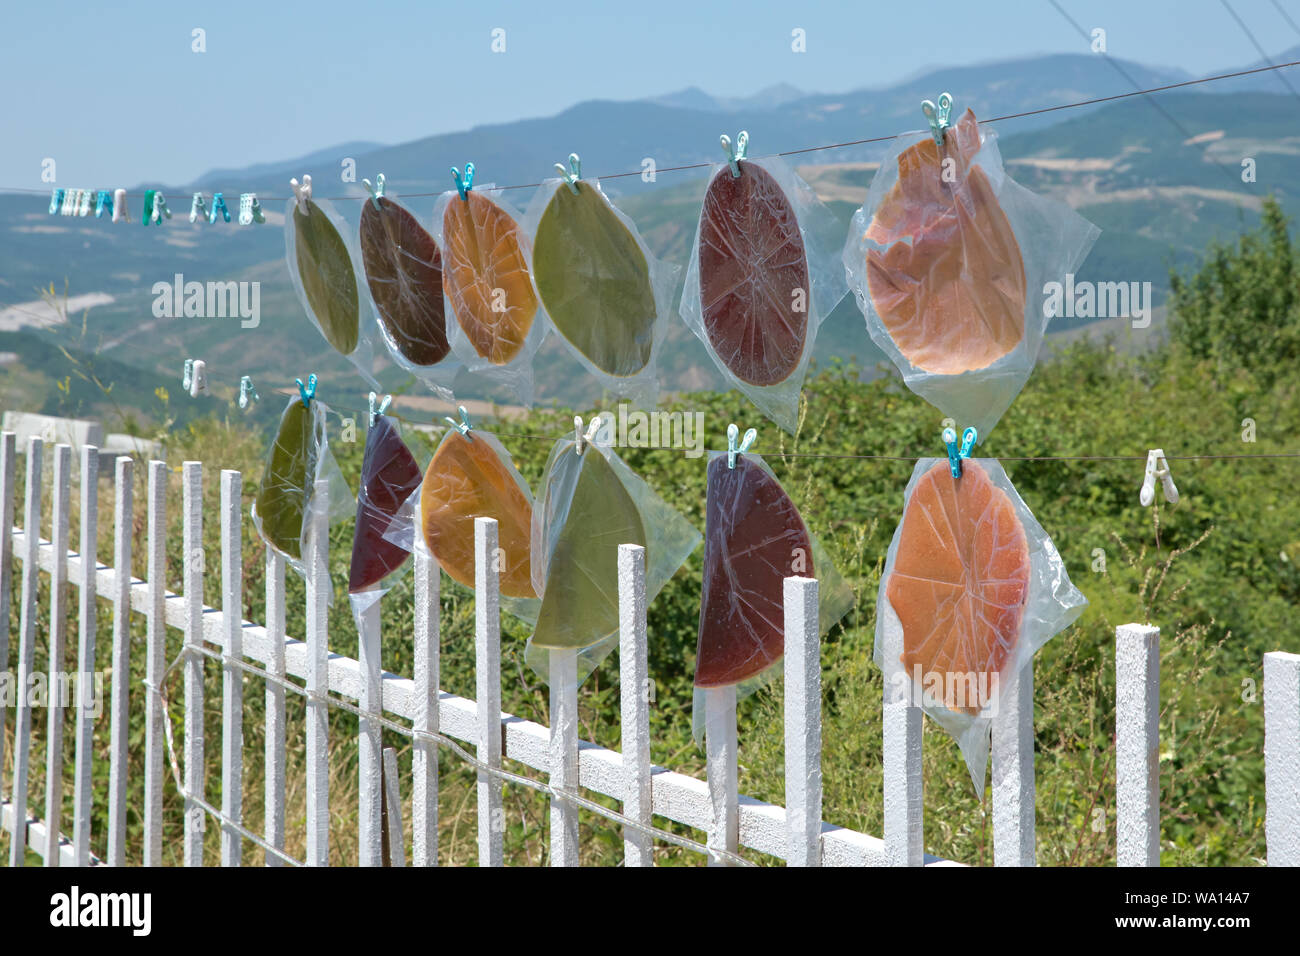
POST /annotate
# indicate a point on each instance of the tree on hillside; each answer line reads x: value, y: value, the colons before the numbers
x: 1241, y: 307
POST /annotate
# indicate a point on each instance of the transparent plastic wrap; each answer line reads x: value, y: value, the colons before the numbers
x: 472, y: 476
x: 403, y: 269
x: 764, y: 273
x: 754, y: 538
x: 326, y: 276
x: 591, y: 503
x: 389, y: 475
x: 286, y: 499
x: 972, y: 587
x: 602, y: 290
x: 495, y: 324
x: 949, y: 258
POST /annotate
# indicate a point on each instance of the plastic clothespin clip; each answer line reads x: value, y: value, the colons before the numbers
x: 572, y: 175
x: 735, y: 156
x: 247, y: 394
x: 148, y: 207
x: 188, y: 376
x: 461, y: 426
x: 83, y: 202
x: 199, y: 379
x: 160, y: 208
x: 938, y: 116
x: 968, y: 439
x: 1157, y: 467
x: 219, y: 206
x: 732, y: 448
x: 56, y: 199
x: 376, y: 411
x: 375, y: 189
x: 463, y: 186
x: 250, y: 210
x: 119, y: 206
x: 198, y: 208
x: 301, y: 192
x: 103, y: 204
x: 308, y: 391
x: 582, y: 440
x: 69, y: 202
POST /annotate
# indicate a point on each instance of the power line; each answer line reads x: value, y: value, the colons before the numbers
x: 1093, y: 101
x: 1259, y: 49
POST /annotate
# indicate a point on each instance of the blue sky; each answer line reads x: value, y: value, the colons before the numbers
x: 115, y: 94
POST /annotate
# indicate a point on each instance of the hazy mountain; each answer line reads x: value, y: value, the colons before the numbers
x: 1160, y: 182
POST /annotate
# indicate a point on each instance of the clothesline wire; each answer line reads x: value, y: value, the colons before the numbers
x: 1092, y: 101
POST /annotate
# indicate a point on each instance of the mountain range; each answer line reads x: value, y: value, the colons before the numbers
x: 1161, y: 175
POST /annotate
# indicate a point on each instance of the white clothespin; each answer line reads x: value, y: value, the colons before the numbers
x: 188, y: 375
x: 83, y: 202
x: 250, y: 210
x: 302, y: 192
x: 1157, y: 467
x: 69, y: 202
x: 199, y: 379
x: 119, y: 206
x: 198, y: 208
x: 581, y: 440
x: 160, y: 209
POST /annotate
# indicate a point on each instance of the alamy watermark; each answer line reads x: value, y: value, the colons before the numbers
x: 630, y: 428
x: 208, y: 300
x: 61, y: 689
x: 1098, y: 300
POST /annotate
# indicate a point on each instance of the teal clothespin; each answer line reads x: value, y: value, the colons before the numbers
x: 463, y: 186
x: 732, y: 448
x: 573, y: 174
x: 968, y: 439
x: 247, y: 393
x: 198, y: 208
x: 308, y: 391
x: 461, y: 426
x: 375, y: 412
x: 735, y: 156
x: 188, y: 375
x: 376, y: 191
x: 148, y: 207
x: 103, y: 204
x: 938, y: 116
x: 56, y: 200
x: 219, y: 206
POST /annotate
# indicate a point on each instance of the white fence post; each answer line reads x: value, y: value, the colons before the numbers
x: 424, y: 752
x: 8, y: 452
x: 192, y: 564
x: 369, y: 742
x: 275, y: 733
x: 82, y: 786
x: 1013, y: 772
x: 803, y: 723
x: 487, y: 679
x: 58, y: 645
x: 1282, y: 758
x: 395, y: 853
x: 904, y: 804
x: 634, y: 702
x: 26, y: 649
x: 119, y: 716
x: 722, y: 771
x: 564, y: 755
x: 1137, y: 745
x: 318, y: 754
x: 232, y: 678
x: 155, y: 655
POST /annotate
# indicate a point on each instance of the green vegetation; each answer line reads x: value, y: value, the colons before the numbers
x: 1217, y: 573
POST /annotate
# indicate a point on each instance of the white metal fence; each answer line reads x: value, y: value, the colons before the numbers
x: 433, y: 718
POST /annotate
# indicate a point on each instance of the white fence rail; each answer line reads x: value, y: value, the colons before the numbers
x: 795, y: 833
